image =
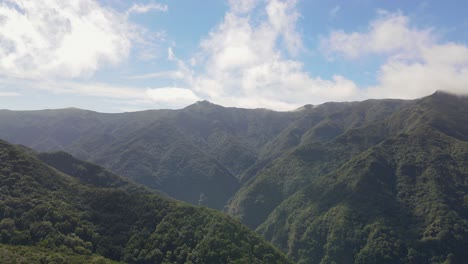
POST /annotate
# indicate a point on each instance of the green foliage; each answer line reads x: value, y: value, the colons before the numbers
x: 183, y: 153
x: 73, y: 218
x: 390, y: 204
x: 39, y: 255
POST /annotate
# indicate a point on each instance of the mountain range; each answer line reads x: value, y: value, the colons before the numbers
x: 377, y: 181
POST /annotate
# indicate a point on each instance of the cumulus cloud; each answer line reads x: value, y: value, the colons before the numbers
x: 60, y: 38
x: 242, y: 6
x: 416, y: 62
x: 172, y: 96
x: 248, y: 60
x: 55, y: 46
x: 145, y: 8
x: 439, y: 67
x: 389, y: 34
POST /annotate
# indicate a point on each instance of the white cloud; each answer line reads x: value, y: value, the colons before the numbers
x: 92, y: 89
x: 416, y: 62
x: 162, y: 74
x: 389, y: 34
x: 242, y: 6
x: 173, y: 96
x: 138, y: 98
x: 248, y: 60
x: 440, y: 67
x: 283, y: 16
x: 55, y: 38
x: 125, y: 94
x: 8, y: 94
x: 141, y: 8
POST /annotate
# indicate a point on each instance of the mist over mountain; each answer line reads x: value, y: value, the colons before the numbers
x: 377, y: 181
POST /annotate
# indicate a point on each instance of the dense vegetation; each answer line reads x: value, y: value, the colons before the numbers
x: 378, y: 181
x: 51, y: 216
x: 391, y: 204
x: 11, y: 254
x: 194, y: 154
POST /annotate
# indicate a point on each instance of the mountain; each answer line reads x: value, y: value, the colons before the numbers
x: 92, y: 215
x: 402, y: 201
x: 309, y: 148
x: 196, y: 154
x: 392, y: 190
x: 377, y: 181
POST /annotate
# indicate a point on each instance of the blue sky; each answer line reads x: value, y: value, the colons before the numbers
x: 116, y: 55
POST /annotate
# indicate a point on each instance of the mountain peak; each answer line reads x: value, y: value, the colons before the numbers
x: 204, y: 104
x: 304, y: 107
x: 444, y: 97
x: 440, y: 93
x: 446, y: 94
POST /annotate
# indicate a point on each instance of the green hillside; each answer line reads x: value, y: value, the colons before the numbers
x: 406, y: 174
x: 77, y: 215
x: 312, y: 155
x: 11, y: 254
x: 403, y: 201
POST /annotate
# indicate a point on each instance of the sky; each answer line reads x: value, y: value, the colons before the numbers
x: 119, y: 55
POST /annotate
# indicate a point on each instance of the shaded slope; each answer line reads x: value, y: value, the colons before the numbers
x: 234, y: 136
x: 71, y: 128
x: 162, y: 158
x: 41, y: 206
x: 189, y: 154
x: 85, y: 172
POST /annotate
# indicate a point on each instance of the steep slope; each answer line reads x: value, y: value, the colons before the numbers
x: 163, y: 158
x: 86, y: 172
x: 434, y: 123
x: 42, y: 207
x: 325, y: 122
x: 360, y: 127
x: 403, y: 201
x: 234, y: 136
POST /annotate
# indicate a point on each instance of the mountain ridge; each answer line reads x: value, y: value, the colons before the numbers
x: 256, y: 165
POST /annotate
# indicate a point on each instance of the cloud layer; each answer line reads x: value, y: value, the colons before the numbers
x: 54, y: 38
x: 249, y: 60
x: 252, y: 58
x: 416, y: 62
x: 141, y: 9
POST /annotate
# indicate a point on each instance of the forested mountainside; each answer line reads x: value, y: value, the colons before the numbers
x: 199, y: 154
x: 195, y: 154
x: 391, y: 191
x: 92, y: 215
x: 378, y: 181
